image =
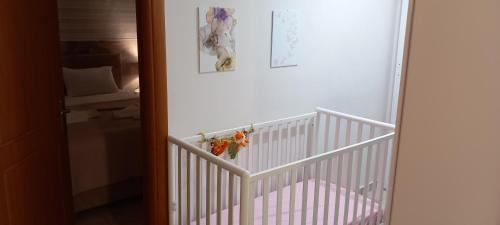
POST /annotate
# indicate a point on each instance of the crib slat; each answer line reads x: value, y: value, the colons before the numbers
x: 214, y: 186
x: 219, y: 194
x: 360, y: 132
x: 188, y: 186
x: 171, y: 179
x: 305, y: 183
x: 260, y: 159
x: 338, y: 188
x: 349, y: 171
x: 372, y: 131
x: 297, y: 140
x: 237, y: 193
x: 237, y: 159
x: 348, y: 187
x: 276, y: 159
x: 250, y: 153
x: 279, y: 199
x: 270, y: 151
x: 179, y: 183
x: 348, y: 132
x: 245, y: 200
x: 251, y: 203
x: 288, y: 143
x: 230, y: 199
x: 307, y: 123
x: 337, y: 133
x: 359, y: 158
x: 280, y: 147
x: 208, y: 194
x: 326, y: 137
x: 366, y: 184
x: 358, y: 180
x: 367, y: 173
x: 327, y: 190
x: 265, y: 201
x: 375, y: 180
x: 224, y: 180
x: 382, y: 183
x: 327, y: 133
x: 317, y: 175
x: 261, y: 150
x: 315, y: 145
x: 198, y: 186
x: 293, y: 181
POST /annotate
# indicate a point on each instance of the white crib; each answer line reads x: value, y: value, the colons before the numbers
x: 324, y: 167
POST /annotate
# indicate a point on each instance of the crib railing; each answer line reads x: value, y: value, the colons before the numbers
x: 182, y: 193
x: 336, y: 129
x: 326, y: 146
x: 330, y: 167
x: 272, y: 144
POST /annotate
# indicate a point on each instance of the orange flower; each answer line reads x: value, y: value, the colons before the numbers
x: 225, y: 143
x: 234, y: 143
x: 217, y: 150
x: 219, y: 146
x: 239, y: 135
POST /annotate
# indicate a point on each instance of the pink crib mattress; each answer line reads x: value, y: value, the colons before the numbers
x: 369, y: 217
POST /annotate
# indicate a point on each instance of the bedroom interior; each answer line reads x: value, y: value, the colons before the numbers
x: 99, y: 57
x: 282, y: 112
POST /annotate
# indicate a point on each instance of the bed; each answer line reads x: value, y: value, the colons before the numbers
x: 104, y: 131
x: 116, y: 100
x: 323, y: 167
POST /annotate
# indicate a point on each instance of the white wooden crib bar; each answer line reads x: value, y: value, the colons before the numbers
x: 324, y: 167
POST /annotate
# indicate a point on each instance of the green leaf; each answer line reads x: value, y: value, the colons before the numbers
x: 233, y: 150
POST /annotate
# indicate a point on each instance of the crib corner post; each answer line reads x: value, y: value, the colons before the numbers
x: 245, y: 199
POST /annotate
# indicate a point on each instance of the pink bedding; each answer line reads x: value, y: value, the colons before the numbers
x: 369, y: 219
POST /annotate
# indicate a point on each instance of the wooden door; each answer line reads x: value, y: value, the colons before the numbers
x: 153, y: 82
x: 34, y: 176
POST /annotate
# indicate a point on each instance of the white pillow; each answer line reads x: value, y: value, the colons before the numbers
x: 89, y: 81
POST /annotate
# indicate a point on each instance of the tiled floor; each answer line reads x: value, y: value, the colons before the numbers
x: 129, y: 212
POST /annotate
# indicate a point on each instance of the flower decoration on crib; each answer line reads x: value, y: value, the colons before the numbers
x: 231, y: 143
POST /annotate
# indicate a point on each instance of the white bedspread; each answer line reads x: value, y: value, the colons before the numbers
x: 103, y: 98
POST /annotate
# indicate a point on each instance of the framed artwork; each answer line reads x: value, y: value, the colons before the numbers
x: 285, y: 38
x: 217, y: 52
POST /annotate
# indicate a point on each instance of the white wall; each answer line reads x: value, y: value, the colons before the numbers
x: 449, y: 159
x: 348, y: 49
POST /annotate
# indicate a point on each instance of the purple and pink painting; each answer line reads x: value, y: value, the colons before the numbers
x: 217, y: 41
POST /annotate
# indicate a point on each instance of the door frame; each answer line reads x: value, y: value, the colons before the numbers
x: 153, y: 83
x: 397, y: 64
x: 400, y: 104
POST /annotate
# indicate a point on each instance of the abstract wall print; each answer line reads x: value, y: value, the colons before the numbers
x: 217, y: 40
x: 285, y: 38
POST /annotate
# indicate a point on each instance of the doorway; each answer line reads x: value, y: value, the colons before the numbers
x: 100, y: 70
x: 36, y: 188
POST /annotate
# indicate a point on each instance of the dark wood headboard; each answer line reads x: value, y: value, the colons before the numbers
x: 96, y: 60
